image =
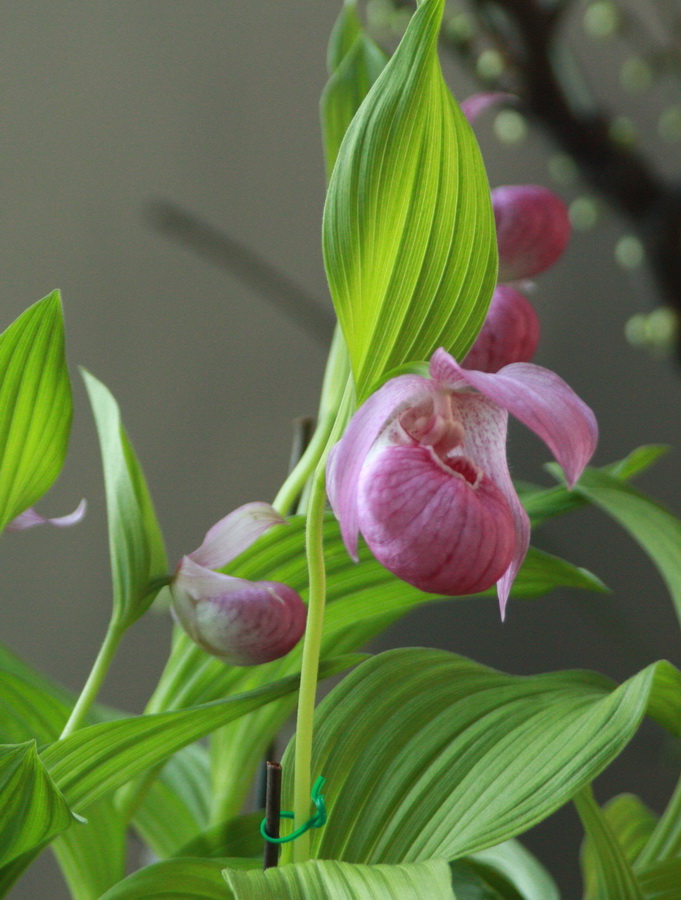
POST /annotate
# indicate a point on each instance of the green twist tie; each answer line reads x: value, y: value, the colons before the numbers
x: 315, y: 821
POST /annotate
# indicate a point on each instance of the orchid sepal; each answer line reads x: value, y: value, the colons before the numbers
x: 29, y: 518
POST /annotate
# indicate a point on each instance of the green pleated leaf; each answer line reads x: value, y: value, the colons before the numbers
x: 631, y: 822
x: 545, y: 503
x: 408, y: 234
x: 28, y: 711
x: 354, y: 63
x: 655, y: 529
x: 662, y: 881
x: 239, y: 836
x: 92, y: 856
x: 135, y: 540
x: 519, y: 868
x: 363, y: 599
x: 330, y: 880
x: 177, y: 879
x: 175, y: 808
x: 469, y: 883
x: 35, y: 405
x: 95, y: 760
x: 609, y: 873
x: 32, y: 809
x: 427, y: 754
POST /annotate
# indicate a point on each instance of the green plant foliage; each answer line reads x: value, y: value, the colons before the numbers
x: 174, y: 811
x: 330, y: 880
x: 545, y: 503
x: 135, y: 541
x: 238, y: 836
x: 656, y: 530
x: 32, y: 809
x: 95, y: 760
x: 92, y: 856
x: 662, y: 881
x: 609, y: 874
x: 177, y: 879
x: 519, y: 868
x: 408, y: 235
x: 631, y: 822
x: 35, y: 400
x: 427, y: 754
x: 354, y: 63
x: 363, y: 599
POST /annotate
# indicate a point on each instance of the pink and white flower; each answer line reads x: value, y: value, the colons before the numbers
x: 421, y: 471
x: 29, y: 518
x: 243, y: 622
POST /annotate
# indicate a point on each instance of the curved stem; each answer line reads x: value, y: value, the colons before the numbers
x: 310, y: 663
x: 97, y: 675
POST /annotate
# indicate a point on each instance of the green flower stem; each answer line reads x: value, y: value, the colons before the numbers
x: 335, y: 379
x: 310, y: 663
x: 314, y: 546
x: 97, y: 675
x: 665, y: 841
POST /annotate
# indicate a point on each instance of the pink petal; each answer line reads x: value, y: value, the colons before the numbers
x: 29, y: 518
x: 509, y: 334
x: 235, y: 533
x: 533, y: 229
x: 485, y: 443
x: 243, y: 622
x: 540, y: 399
x: 476, y: 104
x: 348, y: 456
x: 446, y: 529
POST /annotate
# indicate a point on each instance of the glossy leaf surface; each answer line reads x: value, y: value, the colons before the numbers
x: 35, y: 406
x: 135, y: 541
x: 32, y: 809
x: 408, y: 235
x: 331, y: 880
x: 457, y: 757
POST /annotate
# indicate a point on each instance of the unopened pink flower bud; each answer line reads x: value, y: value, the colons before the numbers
x: 509, y: 334
x: 242, y: 622
x: 533, y: 229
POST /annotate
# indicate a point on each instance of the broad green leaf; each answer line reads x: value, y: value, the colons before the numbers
x: 408, y: 234
x: 363, y: 600
x: 33, y: 707
x: 656, y: 530
x: 427, y: 754
x: 330, y: 880
x: 92, y: 856
x: 35, y: 405
x: 32, y: 809
x: 662, y: 881
x: 28, y: 711
x: 631, y: 822
x: 176, y: 879
x: 135, y: 541
x: 239, y: 836
x: 608, y: 874
x: 354, y: 63
x: 469, y: 883
x: 95, y: 760
x: 519, y: 867
x: 176, y: 806
x: 544, y: 503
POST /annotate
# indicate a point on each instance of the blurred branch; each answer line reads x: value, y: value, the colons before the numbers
x: 224, y: 251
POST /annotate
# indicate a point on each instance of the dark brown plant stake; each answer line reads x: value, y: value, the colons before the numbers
x: 270, y: 855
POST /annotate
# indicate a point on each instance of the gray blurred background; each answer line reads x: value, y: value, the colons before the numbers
x: 213, y: 105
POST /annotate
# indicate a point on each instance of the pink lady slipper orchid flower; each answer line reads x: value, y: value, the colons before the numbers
x: 29, y: 518
x: 421, y: 471
x: 243, y: 622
